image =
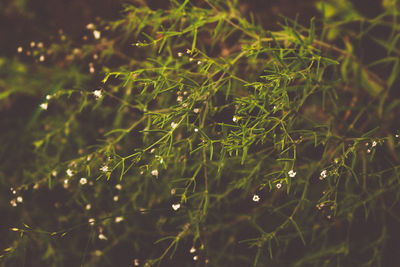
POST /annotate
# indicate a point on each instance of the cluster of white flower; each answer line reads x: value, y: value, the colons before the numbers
x: 14, y: 202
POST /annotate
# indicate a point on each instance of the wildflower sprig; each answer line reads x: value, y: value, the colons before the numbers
x: 211, y: 126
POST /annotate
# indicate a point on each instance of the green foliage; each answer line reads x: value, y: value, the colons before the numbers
x: 197, y: 135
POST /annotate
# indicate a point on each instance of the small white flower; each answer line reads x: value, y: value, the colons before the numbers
x: 152, y: 150
x: 174, y: 125
x: 292, y: 173
x: 118, y: 186
x: 48, y: 97
x: 176, y: 206
x: 191, y: 59
x: 323, y: 175
x: 256, y: 198
x: 195, y: 258
x: 95, y: 56
x: 196, y: 130
x: 137, y: 44
x: 20, y: 49
x: 278, y: 185
x: 70, y: 173
x: 44, y: 106
x: 36, y: 186
x: 33, y: 44
x: 115, y: 198
x: 179, y: 98
x: 83, y: 181
x: 188, y: 51
x: 102, y: 237
x: 234, y: 118
x: 198, y: 62
x: 368, y: 150
x: 104, y: 168
x: 192, y: 250
x: 40, y: 45
x: 119, y: 219
x: 196, y: 110
x: 66, y: 184
x: 96, y: 34
x: 54, y: 173
x: 20, y: 199
x: 98, y: 93
x: 88, y: 207
x: 180, y: 54
x: 373, y: 143
x: 154, y: 172
x: 397, y: 135
x: 92, y: 221
x: 41, y: 58
x: 173, y: 191
x: 90, y: 26
x: 136, y: 262
x: 91, y: 69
